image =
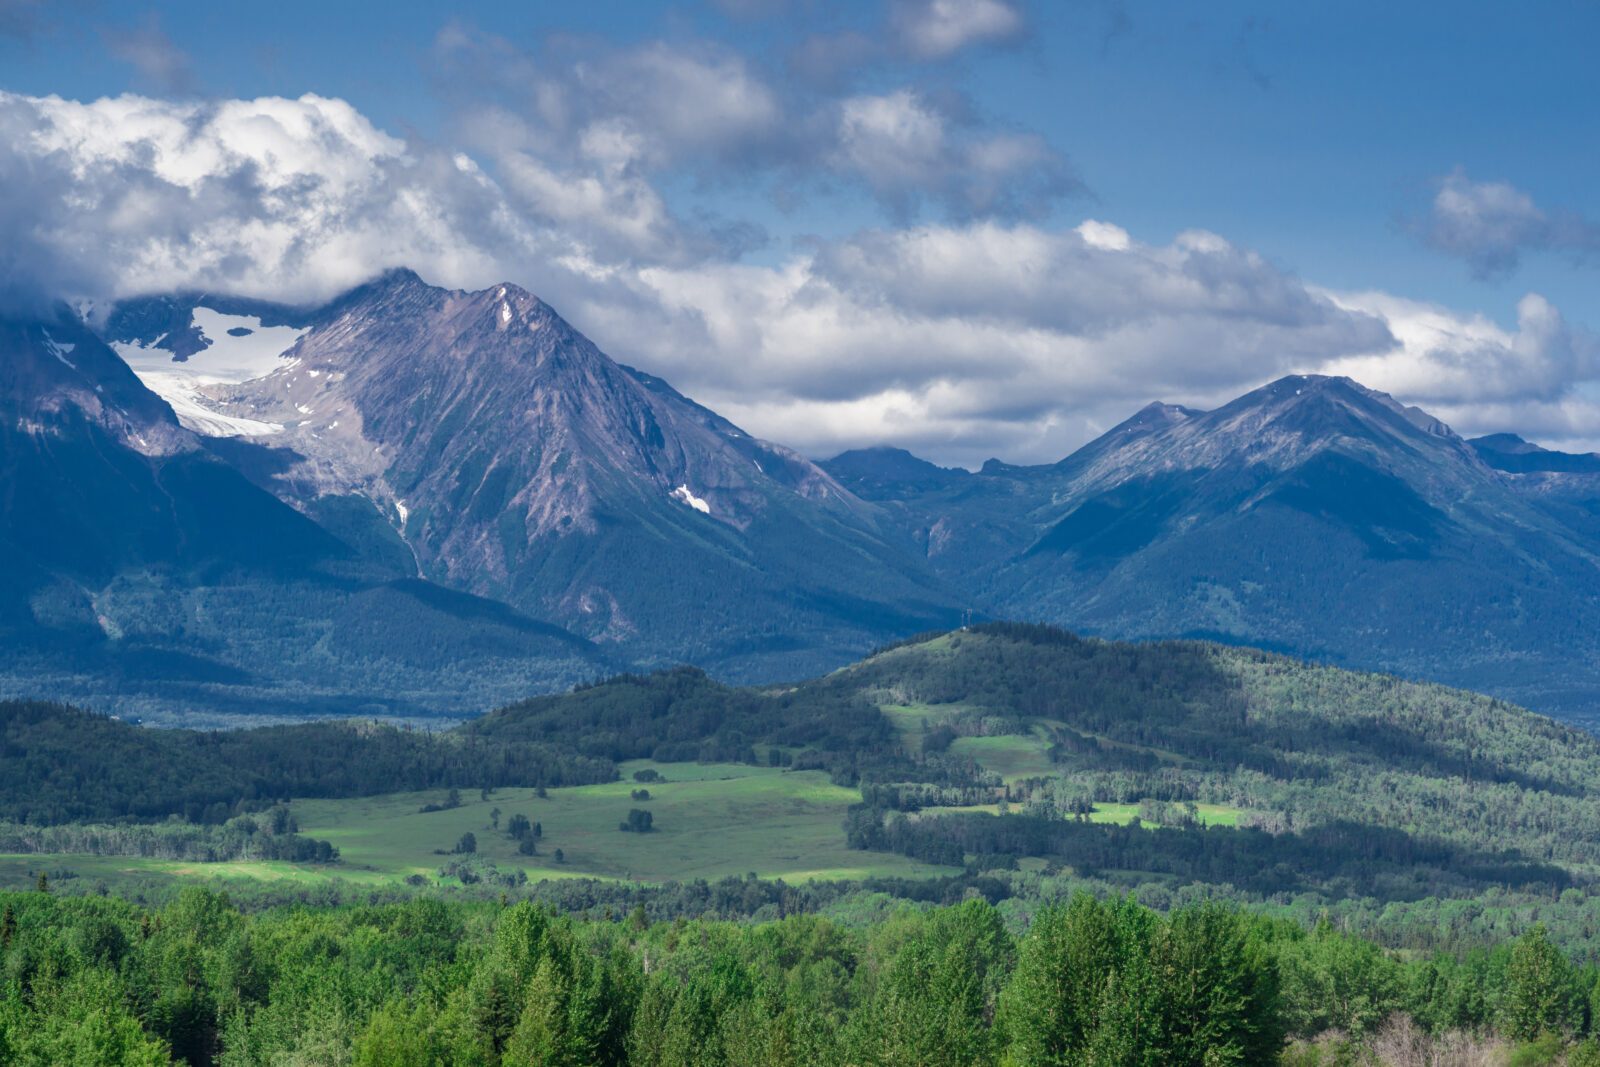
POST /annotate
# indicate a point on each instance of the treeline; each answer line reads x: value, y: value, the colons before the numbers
x: 1084, y: 982
x: 1292, y: 747
x: 272, y: 835
x: 1339, y: 857
x: 60, y: 765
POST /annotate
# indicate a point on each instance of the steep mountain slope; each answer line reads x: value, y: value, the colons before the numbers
x: 1312, y: 515
x: 518, y: 462
x: 477, y: 440
x: 146, y: 575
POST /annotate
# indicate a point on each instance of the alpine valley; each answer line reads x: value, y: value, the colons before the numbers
x: 416, y: 501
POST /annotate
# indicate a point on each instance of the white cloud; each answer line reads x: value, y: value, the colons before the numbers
x: 658, y: 113
x: 292, y: 199
x: 661, y: 105
x: 893, y: 139
x: 933, y: 29
x: 969, y: 340
x: 1103, y: 235
x: 1491, y: 225
x: 961, y: 340
x: 1482, y: 377
x: 905, y: 150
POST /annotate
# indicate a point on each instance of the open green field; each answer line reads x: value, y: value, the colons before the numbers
x: 18, y: 871
x: 913, y: 720
x: 711, y: 821
x: 1011, y: 756
x: 1122, y: 814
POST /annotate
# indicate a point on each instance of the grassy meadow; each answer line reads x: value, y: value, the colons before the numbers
x: 710, y: 821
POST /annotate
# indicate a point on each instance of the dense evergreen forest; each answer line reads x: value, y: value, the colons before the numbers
x: 1082, y: 981
x: 60, y: 765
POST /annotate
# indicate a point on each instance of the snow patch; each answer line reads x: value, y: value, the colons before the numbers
x: 683, y: 494
x: 60, y: 349
x: 194, y: 410
x: 241, y: 350
x: 505, y: 313
x: 401, y: 510
x: 230, y: 359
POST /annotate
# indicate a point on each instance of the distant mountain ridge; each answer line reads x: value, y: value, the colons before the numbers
x: 1312, y: 515
x: 476, y: 441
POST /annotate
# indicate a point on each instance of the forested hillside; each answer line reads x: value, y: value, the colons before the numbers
x: 1003, y: 742
x: 1304, y: 754
x: 1000, y: 748
x: 59, y: 765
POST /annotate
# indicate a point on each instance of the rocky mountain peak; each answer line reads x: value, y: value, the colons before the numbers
x: 517, y: 460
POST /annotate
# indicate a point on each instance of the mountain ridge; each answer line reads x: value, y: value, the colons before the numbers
x: 147, y: 575
x: 479, y: 440
x: 1231, y: 524
x: 520, y: 462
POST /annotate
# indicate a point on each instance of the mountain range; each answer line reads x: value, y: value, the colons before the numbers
x: 414, y: 499
x: 1312, y: 515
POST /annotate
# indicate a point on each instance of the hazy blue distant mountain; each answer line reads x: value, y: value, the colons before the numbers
x: 1314, y: 515
x: 885, y: 473
x: 1508, y: 452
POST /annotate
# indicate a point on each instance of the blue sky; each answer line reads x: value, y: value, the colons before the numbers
x: 1435, y: 154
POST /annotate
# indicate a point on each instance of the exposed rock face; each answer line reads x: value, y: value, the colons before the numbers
x: 520, y: 462
x: 143, y: 574
x: 477, y: 440
x: 56, y: 375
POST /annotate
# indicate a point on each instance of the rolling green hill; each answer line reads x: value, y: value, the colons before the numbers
x: 998, y: 748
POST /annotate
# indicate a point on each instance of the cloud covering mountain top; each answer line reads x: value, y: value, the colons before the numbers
x: 960, y: 338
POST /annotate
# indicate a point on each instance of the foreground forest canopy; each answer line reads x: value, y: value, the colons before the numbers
x: 92, y: 981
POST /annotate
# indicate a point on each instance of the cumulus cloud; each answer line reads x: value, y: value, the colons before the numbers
x: 965, y: 341
x: 289, y: 198
x: 934, y: 29
x: 905, y: 149
x: 1491, y: 225
x: 1481, y: 377
x: 637, y: 117
x: 961, y: 339
x: 695, y: 105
